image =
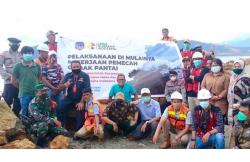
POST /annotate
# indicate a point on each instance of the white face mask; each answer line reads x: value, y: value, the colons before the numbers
x: 173, y: 78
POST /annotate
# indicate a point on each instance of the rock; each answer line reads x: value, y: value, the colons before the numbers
x: 20, y: 144
x: 59, y: 142
x: 7, y: 118
x: 3, y: 139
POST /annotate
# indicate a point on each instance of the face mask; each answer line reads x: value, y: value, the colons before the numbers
x: 215, y: 69
x: 173, y: 78
x: 146, y: 99
x: 119, y: 102
x: 186, y: 46
x: 237, y: 71
x: 76, y: 71
x: 44, y: 96
x: 197, y: 63
x: 241, y: 117
x: 27, y: 57
x: 14, y: 47
x: 204, y: 104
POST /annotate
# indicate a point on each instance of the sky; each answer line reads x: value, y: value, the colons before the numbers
x: 204, y: 20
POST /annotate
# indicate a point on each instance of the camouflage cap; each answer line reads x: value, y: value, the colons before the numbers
x: 41, y: 87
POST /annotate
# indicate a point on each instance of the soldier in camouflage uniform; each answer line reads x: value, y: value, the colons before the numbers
x: 7, y: 61
x: 240, y: 137
x: 43, y: 124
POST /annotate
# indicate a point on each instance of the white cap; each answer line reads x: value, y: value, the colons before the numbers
x: 145, y: 90
x: 197, y: 55
x: 176, y: 95
x: 52, y: 52
x: 43, y: 47
x: 204, y: 94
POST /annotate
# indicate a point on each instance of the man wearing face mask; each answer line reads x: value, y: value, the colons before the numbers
x: 240, y: 136
x: 176, y: 120
x: 208, y: 126
x: 8, y: 59
x: 42, y: 123
x: 174, y: 84
x: 186, y: 51
x: 150, y: 113
x: 74, y: 83
x: 52, y: 75
x: 193, y: 81
x: 26, y: 75
x: 239, y: 89
x: 42, y: 59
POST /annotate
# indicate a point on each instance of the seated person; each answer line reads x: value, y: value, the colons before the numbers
x: 176, y: 120
x: 119, y: 115
x: 93, y: 113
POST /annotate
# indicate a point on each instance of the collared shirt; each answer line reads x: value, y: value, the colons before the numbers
x: 149, y: 111
x: 127, y: 90
x: 82, y: 81
x: 95, y: 107
x: 27, y: 77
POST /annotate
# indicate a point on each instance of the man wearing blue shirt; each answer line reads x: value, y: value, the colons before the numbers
x: 150, y: 113
x: 122, y: 86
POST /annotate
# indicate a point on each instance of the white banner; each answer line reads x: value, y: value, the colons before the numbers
x: 145, y: 64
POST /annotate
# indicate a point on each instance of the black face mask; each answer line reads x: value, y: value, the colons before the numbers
x: 14, y: 47
x: 76, y: 71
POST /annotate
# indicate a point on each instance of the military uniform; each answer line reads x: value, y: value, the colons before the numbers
x: 41, y: 117
x: 240, y: 137
x: 7, y: 61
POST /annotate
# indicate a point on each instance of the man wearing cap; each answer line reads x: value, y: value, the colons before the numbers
x: 150, y: 113
x: 186, y: 51
x: 8, y: 59
x: 26, y: 75
x: 51, y: 36
x: 52, y: 75
x: 176, y: 120
x: 208, y: 125
x: 119, y: 116
x: 42, y: 122
x: 42, y: 59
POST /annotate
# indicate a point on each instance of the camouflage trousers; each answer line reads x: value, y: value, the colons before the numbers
x: 42, y: 130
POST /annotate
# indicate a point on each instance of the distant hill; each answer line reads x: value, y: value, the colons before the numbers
x: 220, y: 49
x: 242, y: 41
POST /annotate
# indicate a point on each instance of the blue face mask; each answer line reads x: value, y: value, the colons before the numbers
x: 215, y: 69
x: 186, y: 46
x: 241, y: 117
x: 146, y: 99
x: 204, y: 104
x: 197, y: 63
x: 27, y: 57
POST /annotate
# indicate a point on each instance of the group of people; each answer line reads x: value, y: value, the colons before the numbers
x: 192, y: 113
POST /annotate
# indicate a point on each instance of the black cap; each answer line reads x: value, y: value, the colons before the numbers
x: 173, y: 72
x: 14, y: 40
x: 87, y: 90
x: 27, y: 49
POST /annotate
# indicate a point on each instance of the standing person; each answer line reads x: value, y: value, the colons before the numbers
x: 52, y: 75
x: 177, y: 120
x: 51, y: 42
x: 240, y: 136
x: 194, y: 80
x: 239, y: 89
x: 93, y: 113
x: 26, y: 75
x: 150, y: 113
x: 74, y: 83
x: 122, y: 86
x: 217, y: 83
x: 8, y: 59
x: 208, y: 126
x: 186, y: 71
x: 174, y: 84
x: 186, y: 51
x: 42, y: 123
x: 42, y: 59
x: 166, y: 37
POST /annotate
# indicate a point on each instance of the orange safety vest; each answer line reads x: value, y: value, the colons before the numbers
x: 90, y: 116
x: 177, y: 122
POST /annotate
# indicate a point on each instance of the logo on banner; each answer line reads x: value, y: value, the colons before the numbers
x: 79, y: 45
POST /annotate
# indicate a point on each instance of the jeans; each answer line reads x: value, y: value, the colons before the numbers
x: 57, y: 98
x: 217, y: 140
x: 24, y: 101
x: 150, y: 130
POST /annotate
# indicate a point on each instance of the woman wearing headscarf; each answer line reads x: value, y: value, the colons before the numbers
x: 217, y: 82
x: 239, y: 89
